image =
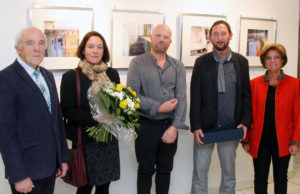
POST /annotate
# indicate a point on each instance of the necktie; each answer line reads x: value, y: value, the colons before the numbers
x: 37, y: 74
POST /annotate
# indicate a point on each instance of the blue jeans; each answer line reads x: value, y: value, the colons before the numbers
x: 202, y: 159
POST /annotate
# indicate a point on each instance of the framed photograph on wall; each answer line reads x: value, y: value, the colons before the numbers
x: 195, y: 36
x: 64, y: 28
x: 131, y: 32
x: 255, y: 33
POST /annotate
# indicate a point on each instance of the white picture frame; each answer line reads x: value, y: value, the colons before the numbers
x: 61, y: 20
x: 128, y: 40
x: 195, y: 36
x: 254, y: 34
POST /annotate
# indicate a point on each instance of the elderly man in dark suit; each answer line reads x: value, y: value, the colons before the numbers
x: 32, y: 135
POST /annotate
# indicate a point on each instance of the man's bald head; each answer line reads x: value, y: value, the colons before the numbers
x: 161, y: 39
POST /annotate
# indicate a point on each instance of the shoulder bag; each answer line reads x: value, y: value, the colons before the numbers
x: 76, y: 174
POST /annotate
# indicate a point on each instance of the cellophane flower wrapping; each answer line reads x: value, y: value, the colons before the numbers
x: 114, y: 106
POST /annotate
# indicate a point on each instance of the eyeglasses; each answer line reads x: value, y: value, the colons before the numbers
x: 274, y: 58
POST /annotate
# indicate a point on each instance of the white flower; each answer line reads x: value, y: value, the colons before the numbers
x: 109, y: 91
x: 120, y: 95
x: 130, y: 103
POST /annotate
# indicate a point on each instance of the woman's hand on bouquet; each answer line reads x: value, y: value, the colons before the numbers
x: 103, y: 118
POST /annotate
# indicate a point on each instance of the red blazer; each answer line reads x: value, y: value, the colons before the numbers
x: 287, y: 113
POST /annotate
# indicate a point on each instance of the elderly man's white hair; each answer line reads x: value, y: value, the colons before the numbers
x: 20, y: 33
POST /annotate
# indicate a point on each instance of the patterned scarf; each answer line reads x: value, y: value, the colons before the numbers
x: 96, y: 73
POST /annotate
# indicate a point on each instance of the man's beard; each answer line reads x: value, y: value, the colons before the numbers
x: 161, y: 50
x: 222, y: 48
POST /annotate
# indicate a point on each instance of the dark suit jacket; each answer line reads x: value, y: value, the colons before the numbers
x: 82, y: 117
x: 204, y: 92
x: 32, y: 141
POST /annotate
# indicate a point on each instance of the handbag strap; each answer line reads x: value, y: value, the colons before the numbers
x: 79, y: 141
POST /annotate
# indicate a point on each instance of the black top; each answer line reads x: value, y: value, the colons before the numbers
x: 82, y: 117
x: 269, y: 136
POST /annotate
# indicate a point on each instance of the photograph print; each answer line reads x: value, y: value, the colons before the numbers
x: 64, y: 28
x: 131, y: 34
x: 200, y: 43
x: 195, y: 36
x: 62, y: 39
x: 137, y: 39
x: 255, y: 33
x: 256, y: 41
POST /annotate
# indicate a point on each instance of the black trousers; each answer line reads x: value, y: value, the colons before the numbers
x: 41, y: 186
x: 154, y: 156
x: 100, y: 189
x: 262, y: 166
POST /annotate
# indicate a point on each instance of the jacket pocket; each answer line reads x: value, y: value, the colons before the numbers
x: 29, y: 143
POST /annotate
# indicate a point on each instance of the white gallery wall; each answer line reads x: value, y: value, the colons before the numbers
x: 14, y: 17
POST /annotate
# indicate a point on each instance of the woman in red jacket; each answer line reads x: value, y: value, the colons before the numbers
x: 275, y: 129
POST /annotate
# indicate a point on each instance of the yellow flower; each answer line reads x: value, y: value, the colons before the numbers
x: 136, y: 106
x: 136, y: 120
x: 132, y: 92
x: 138, y: 99
x: 119, y: 87
x: 123, y: 104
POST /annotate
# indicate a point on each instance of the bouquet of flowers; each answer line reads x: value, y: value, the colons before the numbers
x: 114, y: 107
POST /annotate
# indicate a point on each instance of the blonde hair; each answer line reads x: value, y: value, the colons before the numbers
x: 276, y: 47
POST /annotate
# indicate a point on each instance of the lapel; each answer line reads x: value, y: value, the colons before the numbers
x: 24, y: 75
x: 213, y: 70
x: 20, y: 71
x: 236, y: 64
x: 51, y: 87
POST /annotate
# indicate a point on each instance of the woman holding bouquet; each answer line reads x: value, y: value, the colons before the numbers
x: 102, y: 159
x: 275, y: 129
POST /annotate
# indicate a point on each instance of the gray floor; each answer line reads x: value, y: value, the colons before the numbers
x: 293, y: 184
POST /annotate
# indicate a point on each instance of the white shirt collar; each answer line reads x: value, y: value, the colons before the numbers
x: 27, y: 67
